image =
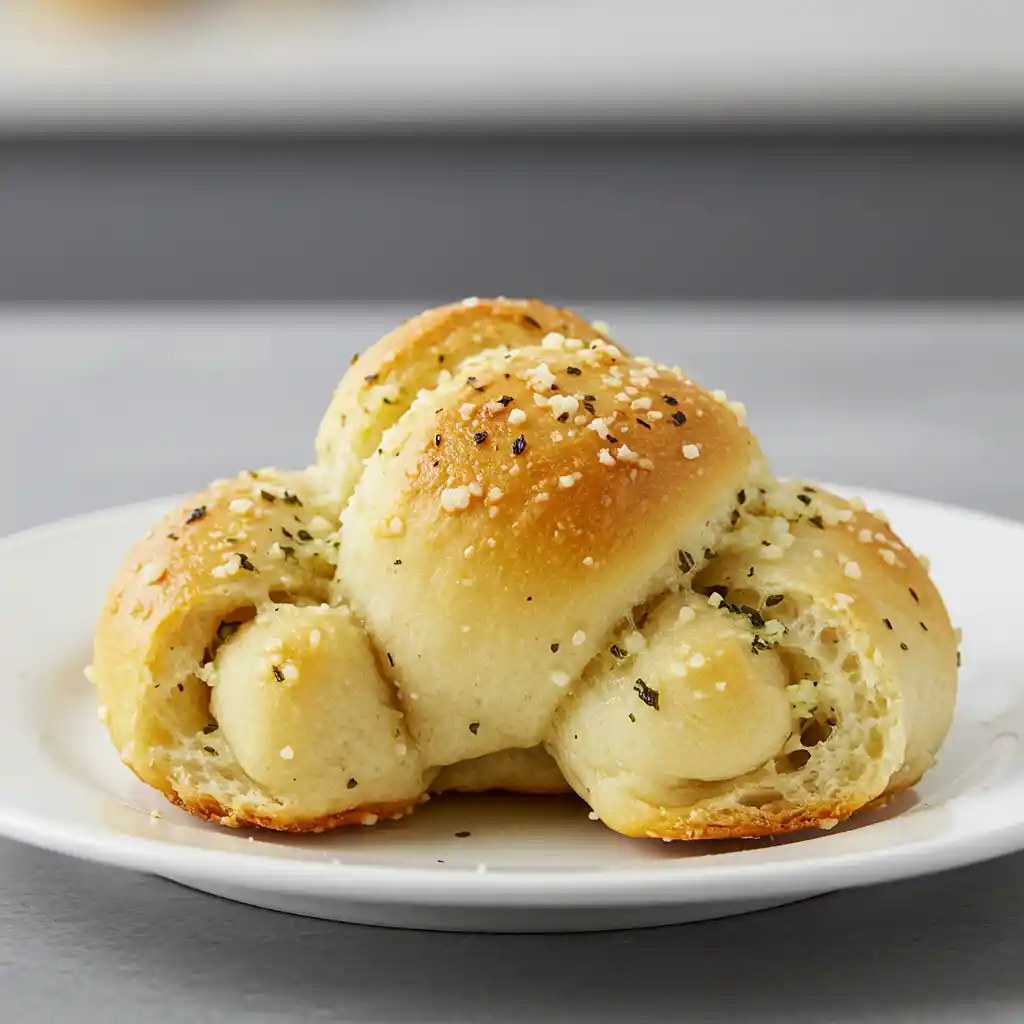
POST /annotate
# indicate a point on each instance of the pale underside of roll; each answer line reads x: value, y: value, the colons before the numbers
x: 525, y: 560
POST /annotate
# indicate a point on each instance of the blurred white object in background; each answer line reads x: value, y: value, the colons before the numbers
x: 458, y: 63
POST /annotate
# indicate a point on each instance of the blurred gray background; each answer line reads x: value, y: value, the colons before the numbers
x: 114, y: 405
x: 597, y: 149
x: 787, y: 215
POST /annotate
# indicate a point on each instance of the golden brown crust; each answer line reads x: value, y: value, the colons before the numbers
x: 230, y: 589
x: 202, y: 562
x: 750, y: 823
x: 516, y: 510
x: 755, y: 823
x: 384, y: 381
x: 208, y: 808
x: 609, y: 509
x: 445, y: 336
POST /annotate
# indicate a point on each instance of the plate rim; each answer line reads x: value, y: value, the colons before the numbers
x: 687, y: 881
x: 465, y: 886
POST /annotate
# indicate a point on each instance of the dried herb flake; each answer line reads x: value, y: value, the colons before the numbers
x: 756, y: 619
x: 648, y: 695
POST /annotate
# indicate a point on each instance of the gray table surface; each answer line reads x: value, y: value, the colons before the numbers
x: 106, y: 407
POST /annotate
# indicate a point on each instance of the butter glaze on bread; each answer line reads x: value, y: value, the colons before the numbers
x: 383, y: 382
x: 526, y: 560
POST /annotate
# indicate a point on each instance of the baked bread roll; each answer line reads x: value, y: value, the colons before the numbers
x: 526, y: 560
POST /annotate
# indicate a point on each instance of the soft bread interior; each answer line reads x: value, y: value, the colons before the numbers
x: 715, y: 722
x: 518, y: 770
x: 230, y: 684
x: 302, y: 706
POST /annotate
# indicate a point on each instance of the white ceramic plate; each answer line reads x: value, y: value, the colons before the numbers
x: 528, y: 864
